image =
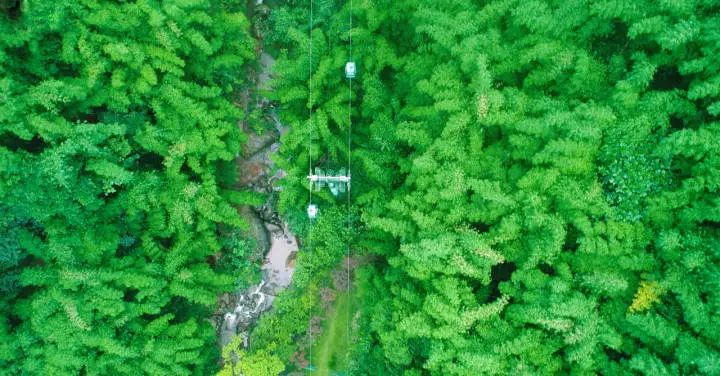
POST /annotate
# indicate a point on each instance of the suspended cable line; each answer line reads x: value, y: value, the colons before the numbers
x: 350, y: 78
x: 318, y: 178
x: 312, y: 209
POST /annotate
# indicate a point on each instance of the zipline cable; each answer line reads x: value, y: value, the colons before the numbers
x: 311, y: 208
x: 310, y: 102
x: 310, y: 183
x: 349, y: 146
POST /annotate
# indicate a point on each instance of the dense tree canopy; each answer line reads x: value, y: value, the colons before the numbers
x: 539, y: 178
x: 535, y: 184
x: 116, y: 119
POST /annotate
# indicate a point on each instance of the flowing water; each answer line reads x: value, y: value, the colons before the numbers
x: 258, y: 172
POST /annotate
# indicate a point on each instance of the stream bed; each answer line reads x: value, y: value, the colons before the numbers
x: 257, y: 172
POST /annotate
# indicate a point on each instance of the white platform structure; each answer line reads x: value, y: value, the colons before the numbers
x: 338, y: 183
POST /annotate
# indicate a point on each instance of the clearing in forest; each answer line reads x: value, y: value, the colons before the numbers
x: 331, y: 349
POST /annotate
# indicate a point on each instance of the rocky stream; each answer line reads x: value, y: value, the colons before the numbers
x: 237, y: 312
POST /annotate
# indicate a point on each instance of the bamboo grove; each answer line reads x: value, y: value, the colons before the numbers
x: 535, y: 184
x: 537, y: 181
x: 118, y: 129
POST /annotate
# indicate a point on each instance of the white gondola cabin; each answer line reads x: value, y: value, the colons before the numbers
x: 350, y: 70
x: 312, y: 211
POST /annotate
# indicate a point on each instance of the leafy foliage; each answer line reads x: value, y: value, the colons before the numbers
x: 238, y: 362
x: 115, y: 120
x: 521, y: 169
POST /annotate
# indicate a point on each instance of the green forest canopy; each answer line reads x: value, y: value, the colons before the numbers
x: 537, y: 180
x: 117, y: 123
x: 535, y: 183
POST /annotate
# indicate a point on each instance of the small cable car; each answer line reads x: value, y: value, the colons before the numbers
x: 350, y: 70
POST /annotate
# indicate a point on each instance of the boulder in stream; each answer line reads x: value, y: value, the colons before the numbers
x: 257, y: 231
